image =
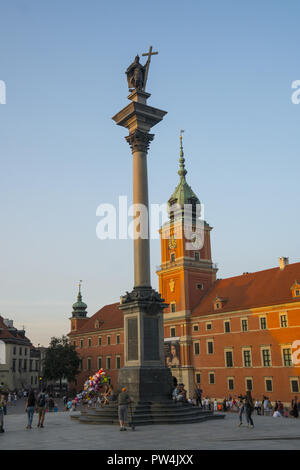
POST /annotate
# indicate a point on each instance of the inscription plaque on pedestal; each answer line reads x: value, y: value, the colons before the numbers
x: 132, y: 329
x: 151, y: 343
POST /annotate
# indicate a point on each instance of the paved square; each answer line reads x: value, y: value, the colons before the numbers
x: 62, y: 433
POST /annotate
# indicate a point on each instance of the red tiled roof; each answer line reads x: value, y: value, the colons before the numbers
x: 13, y: 335
x: 110, y: 315
x: 259, y: 289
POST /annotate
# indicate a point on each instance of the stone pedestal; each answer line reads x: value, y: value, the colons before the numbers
x: 144, y: 373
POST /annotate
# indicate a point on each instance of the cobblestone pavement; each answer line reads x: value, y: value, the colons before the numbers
x: 60, y: 432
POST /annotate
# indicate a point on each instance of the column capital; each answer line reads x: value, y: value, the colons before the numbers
x: 139, y: 141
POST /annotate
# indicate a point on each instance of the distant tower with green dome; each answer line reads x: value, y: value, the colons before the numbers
x: 79, y: 313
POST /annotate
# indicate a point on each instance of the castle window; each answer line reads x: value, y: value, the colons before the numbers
x: 244, y: 324
x: 211, y: 377
x: 210, y: 347
x: 108, y: 340
x: 249, y: 383
x: 200, y: 286
x: 198, y: 378
x: 108, y: 363
x: 283, y: 321
x: 172, y: 257
x: 266, y: 357
x: 197, y: 348
x: 118, y: 339
x: 173, y: 307
x: 89, y: 363
x: 230, y: 383
x: 263, y: 323
x: 173, y: 331
x: 99, y: 362
x: 81, y: 343
x: 269, y: 384
x: 247, y: 358
x: 295, y: 289
x: 196, y: 256
x: 227, y: 326
x: 229, y: 358
x: 294, y: 381
x: 195, y: 328
x: 99, y: 340
x: 209, y: 326
x: 89, y: 342
x: 287, y: 357
x: 118, y: 362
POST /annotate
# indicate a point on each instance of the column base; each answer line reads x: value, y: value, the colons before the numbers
x: 146, y: 384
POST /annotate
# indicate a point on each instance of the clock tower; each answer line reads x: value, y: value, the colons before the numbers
x: 187, y: 270
x: 185, y: 274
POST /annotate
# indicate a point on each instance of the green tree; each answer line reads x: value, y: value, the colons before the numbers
x: 61, y: 360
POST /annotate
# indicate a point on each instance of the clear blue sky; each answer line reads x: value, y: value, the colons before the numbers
x: 223, y: 73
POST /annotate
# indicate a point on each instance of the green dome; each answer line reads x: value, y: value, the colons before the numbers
x: 183, y: 193
x: 79, y: 308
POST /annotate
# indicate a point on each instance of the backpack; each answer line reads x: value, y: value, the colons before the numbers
x: 42, y: 400
x: 51, y: 403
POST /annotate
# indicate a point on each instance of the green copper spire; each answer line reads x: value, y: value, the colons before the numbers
x: 182, y: 171
x: 183, y: 193
x: 79, y: 308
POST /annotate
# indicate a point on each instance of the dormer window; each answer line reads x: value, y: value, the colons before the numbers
x: 218, y: 303
x: 296, y: 289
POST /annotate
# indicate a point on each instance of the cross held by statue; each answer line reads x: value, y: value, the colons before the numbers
x: 148, y: 54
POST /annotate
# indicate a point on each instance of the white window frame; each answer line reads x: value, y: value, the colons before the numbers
x: 210, y: 341
x: 268, y: 348
x: 209, y: 374
x: 225, y: 351
x: 246, y: 387
x: 244, y: 319
x: 265, y: 380
x: 244, y: 350
x: 194, y: 343
x: 294, y: 379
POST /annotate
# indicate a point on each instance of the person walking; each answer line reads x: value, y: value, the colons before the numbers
x: 30, y: 407
x: 198, y: 393
x: 241, y: 407
x: 2, y: 401
x: 15, y: 399
x: 249, y: 407
x: 294, y: 404
x: 51, y: 403
x: 41, y: 406
x: 123, y: 402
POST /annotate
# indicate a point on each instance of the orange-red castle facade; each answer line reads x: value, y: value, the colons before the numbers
x: 226, y: 335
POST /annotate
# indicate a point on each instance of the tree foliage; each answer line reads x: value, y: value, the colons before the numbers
x: 61, y: 360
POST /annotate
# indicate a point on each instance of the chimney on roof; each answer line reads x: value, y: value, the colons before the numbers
x: 283, y: 262
x: 8, y: 323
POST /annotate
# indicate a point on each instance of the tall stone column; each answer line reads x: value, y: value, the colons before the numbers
x: 144, y: 373
x: 139, y: 143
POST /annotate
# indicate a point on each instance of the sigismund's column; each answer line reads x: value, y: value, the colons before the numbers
x: 144, y: 373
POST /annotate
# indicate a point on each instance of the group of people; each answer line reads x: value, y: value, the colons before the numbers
x: 40, y: 404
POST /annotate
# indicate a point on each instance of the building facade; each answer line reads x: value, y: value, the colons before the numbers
x: 19, y: 360
x: 226, y: 335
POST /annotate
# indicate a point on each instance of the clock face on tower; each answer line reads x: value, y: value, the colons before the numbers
x: 172, y: 243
